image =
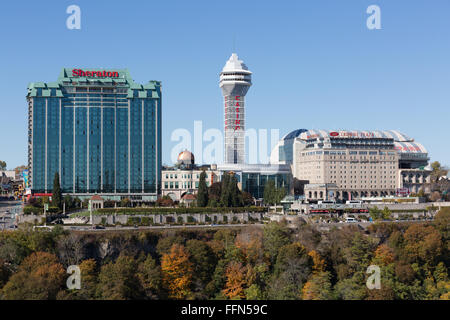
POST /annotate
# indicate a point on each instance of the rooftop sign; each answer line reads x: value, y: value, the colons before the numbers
x: 98, y: 74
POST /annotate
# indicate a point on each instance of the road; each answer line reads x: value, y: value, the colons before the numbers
x: 362, y: 224
x: 8, y: 212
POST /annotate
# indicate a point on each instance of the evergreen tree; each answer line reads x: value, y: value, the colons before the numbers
x: 225, y: 192
x: 57, y: 194
x: 269, y: 192
x: 202, y: 195
x: 235, y: 193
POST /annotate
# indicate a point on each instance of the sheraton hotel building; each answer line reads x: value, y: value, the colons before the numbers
x: 98, y: 129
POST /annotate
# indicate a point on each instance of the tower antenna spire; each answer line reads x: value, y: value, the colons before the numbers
x: 234, y: 43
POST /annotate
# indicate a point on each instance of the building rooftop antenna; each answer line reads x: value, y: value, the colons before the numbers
x: 234, y: 43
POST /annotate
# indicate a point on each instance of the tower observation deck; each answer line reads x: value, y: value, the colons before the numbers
x: 235, y: 80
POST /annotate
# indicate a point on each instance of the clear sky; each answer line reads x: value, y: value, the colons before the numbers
x: 315, y: 63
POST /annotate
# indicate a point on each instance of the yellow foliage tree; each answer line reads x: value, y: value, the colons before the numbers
x: 177, y: 272
x: 235, y: 275
x: 319, y: 263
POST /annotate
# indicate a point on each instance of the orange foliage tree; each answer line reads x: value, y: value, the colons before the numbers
x: 250, y: 244
x: 39, y: 277
x: 235, y: 275
x: 177, y: 272
x: 319, y: 263
x: 384, y: 254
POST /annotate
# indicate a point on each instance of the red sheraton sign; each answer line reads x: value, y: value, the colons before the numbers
x: 98, y: 74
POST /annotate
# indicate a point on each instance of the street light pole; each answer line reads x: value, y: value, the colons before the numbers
x: 90, y: 213
x: 45, y: 213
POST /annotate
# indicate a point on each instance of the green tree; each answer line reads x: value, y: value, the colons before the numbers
x: 69, y: 202
x: 118, y: 280
x: 275, y: 235
x: 225, y: 197
x: 386, y: 213
x: 125, y: 202
x: 202, y: 194
x: 350, y: 289
x: 292, y: 269
x: 57, y: 194
x: 4, y: 273
x: 2, y: 165
x: 438, y: 170
x: 149, y: 275
x: 269, y: 192
x: 204, y: 262
x: 375, y: 213
x: 234, y: 193
x: 318, y: 287
x: 214, y: 192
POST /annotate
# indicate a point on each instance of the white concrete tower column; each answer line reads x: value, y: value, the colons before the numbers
x: 235, y: 80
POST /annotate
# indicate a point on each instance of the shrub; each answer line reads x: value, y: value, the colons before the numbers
x: 190, y: 219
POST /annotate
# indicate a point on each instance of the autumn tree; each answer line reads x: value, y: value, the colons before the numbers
x: 149, y: 276
x: 39, y: 277
x: 89, y: 280
x: 214, y: 192
x: 384, y: 255
x: 235, y: 283
x: 318, y: 287
x: 250, y: 242
x: 442, y: 223
x: 247, y: 199
x: 118, y: 281
x: 319, y: 263
x: 177, y: 272
x: 164, y: 201
x: 422, y: 244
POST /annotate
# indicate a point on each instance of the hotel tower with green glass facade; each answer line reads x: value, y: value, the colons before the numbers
x: 98, y: 129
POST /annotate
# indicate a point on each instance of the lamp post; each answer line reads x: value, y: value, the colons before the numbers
x: 90, y: 213
x: 45, y: 213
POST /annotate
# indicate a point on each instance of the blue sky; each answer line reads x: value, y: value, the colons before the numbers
x: 315, y: 64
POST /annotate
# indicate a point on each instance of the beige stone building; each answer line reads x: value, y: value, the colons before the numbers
x: 184, y: 177
x: 347, y: 165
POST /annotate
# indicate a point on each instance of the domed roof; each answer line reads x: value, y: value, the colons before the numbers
x: 294, y: 134
x: 186, y: 157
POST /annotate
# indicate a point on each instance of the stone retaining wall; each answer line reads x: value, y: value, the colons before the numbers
x: 174, y: 218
